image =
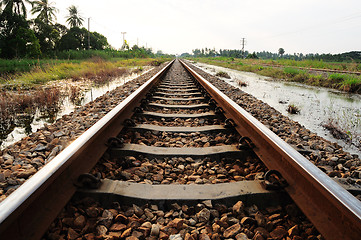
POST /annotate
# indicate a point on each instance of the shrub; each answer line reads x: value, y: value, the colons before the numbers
x: 223, y: 74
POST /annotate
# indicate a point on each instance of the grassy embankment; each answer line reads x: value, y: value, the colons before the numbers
x: 29, y: 73
x: 289, y: 70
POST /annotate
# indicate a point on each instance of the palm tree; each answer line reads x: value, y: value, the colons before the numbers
x: 45, y: 9
x: 15, y: 6
x: 74, y: 19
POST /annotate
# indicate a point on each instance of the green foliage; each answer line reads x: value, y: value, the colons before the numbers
x: 45, y: 10
x: 26, y: 65
x: 337, y: 77
x: 281, y: 51
x: 292, y: 71
x: 252, y: 56
x: 16, y: 38
x: 48, y: 35
x: 74, y: 19
x: 77, y: 39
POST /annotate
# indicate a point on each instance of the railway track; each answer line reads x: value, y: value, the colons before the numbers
x: 178, y: 143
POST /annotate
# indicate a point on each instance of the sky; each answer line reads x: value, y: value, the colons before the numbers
x: 178, y: 26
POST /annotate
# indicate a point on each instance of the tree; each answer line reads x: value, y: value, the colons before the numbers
x: 281, y: 51
x: 74, y: 19
x: 98, y: 41
x: 74, y: 39
x: 16, y: 37
x: 15, y: 6
x: 48, y: 35
x: 45, y: 10
x: 252, y: 56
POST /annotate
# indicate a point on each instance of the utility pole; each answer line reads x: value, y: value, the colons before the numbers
x: 243, y: 43
x: 123, y: 33
x: 88, y: 33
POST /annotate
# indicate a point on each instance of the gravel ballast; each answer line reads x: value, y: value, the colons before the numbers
x: 23, y: 159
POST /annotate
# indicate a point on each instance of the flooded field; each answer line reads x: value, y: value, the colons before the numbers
x: 26, y: 123
x: 319, y: 107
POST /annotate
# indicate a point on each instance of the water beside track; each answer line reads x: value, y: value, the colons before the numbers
x: 27, y: 124
x: 318, y: 106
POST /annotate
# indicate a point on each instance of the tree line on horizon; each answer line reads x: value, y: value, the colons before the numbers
x: 354, y: 56
x: 43, y: 37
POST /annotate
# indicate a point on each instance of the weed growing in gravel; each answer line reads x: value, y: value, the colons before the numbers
x: 293, y: 109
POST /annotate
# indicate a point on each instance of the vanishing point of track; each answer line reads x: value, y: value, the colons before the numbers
x: 168, y: 118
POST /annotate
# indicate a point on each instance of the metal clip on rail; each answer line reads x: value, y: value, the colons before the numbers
x: 212, y: 103
x: 245, y: 143
x: 149, y: 95
x: 87, y: 180
x: 144, y: 103
x: 129, y: 123
x: 138, y: 110
x: 273, y: 180
x: 229, y: 123
x: 115, y: 142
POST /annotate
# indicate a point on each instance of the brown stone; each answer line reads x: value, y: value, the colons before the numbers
x: 295, y: 230
x: 72, y: 234
x: 263, y: 232
x: 176, y: 223
x: 204, y: 215
x: 279, y: 233
x: 274, y: 216
x: 163, y: 235
x: 258, y: 236
x: 117, y: 227
x: 216, y: 228
x: 132, y: 238
x: 241, y: 236
x: 188, y: 237
x: 232, y: 231
x: 121, y: 218
x: 115, y: 235
x: 79, y: 221
x: 155, y: 230
x: 126, y: 233
x: 92, y: 212
x: 238, y: 207
x: 137, y: 210
x: 89, y: 236
x: 203, y: 236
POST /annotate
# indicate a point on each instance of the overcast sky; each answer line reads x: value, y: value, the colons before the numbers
x: 177, y: 26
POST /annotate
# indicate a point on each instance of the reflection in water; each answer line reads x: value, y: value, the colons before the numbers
x: 317, y: 106
x: 22, y: 125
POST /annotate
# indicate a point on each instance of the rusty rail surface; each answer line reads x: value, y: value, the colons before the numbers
x: 333, y: 210
x: 28, y: 212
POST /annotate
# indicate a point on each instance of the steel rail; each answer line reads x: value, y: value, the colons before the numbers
x: 333, y: 210
x: 27, y: 212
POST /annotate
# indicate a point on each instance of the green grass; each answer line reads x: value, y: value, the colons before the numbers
x: 25, y: 65
x: 90, y: 69
x: 291, y: 72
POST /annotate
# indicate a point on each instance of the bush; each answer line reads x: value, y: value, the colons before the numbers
x: 223, y: 74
